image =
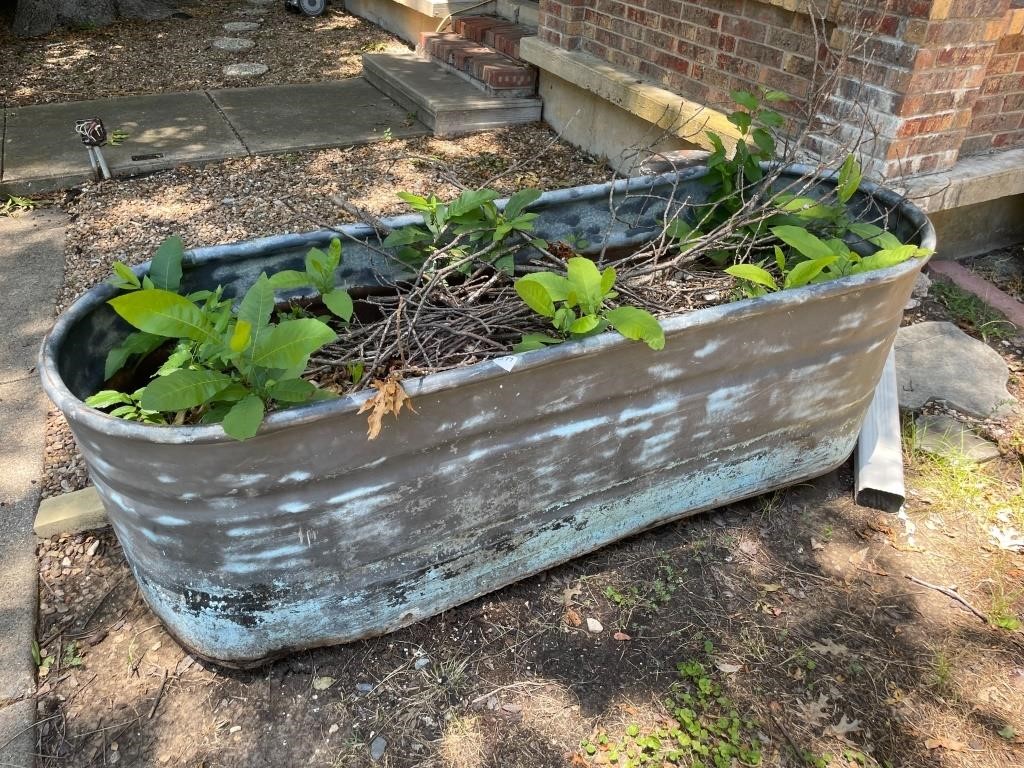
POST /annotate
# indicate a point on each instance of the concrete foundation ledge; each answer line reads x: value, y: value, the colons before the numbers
x: 70, y: 513
x: 408, y: 18
x: 657, y: 106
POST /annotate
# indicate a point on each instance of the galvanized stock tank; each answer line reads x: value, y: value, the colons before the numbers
x: 308, y: 534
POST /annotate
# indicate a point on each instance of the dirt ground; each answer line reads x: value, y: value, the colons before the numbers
x: 812, y: 625
x: 130, y: 58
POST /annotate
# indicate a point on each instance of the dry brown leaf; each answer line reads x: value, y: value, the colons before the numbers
x: 944, y: 742
x: 390, y: 398
x: 815, y: 712
x: 843, y: 727
x: 569, y: 593
x: 572, y: 618
x: 621, y: 636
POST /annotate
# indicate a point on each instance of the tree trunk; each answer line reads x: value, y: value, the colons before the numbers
x: 39, y: 17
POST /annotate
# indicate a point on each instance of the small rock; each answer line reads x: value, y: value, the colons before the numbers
x: 422, y: 663
x: 234, y: 729
x: 922, y: 284
x: 241, y: 26
x: 333, y: 729
x: 594, y: 626
x: 233, y: 44
x: 66, y: 562
x: 911, y: 304
x: 944, y: 436
x: 245, y: 70
x: 364, y: 687
x: 377, y: 747
x: 228, y: 201
x: 93, y: 548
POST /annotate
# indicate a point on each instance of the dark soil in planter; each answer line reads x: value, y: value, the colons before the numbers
x: 1004, y: 267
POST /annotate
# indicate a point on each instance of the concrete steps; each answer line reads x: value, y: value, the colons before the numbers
x: 444, y: 101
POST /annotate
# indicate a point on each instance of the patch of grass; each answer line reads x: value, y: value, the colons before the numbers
x: 973, y: 313
x: 14, y: 204
x: 941, y: 676
x: 1001, y: 614
x: 704, y: 729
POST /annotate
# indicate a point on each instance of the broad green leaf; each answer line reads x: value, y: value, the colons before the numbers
x: 334, y: 253
x: 557, y: 286
x: 874, y: 234
x: 637, y: 324
x: 136, y: 343
x: 744, y: 99
x: 292, y: 390
x: 340, y: 303
x: 806, y: 271
x: 771, y: 119
x: 764, y: 141
x: 506, y: 264
x: 802, y: 241
x: 241, y: 336
x: 585, y: 281
x: 289, y: 279
x: 678, y: 229
x: 244, y: 418
x: 889, y: 257
x: 607, y: 280
x: 318, y: 266
x: 753, y: 274
x: 406, y: 236
x: 741, y: 120
x: 536, y: 296
x: 124, y: 277
x: 470, y: 199
x: 776, y: 96
x: 106, y: 398
x: 290, y: 343
x: 519, y: 201
x: 215, y: 413
x: 163, y: 313
x: 415, y: 201
x: 257, y: 305
x: 181, y: 357
x: 585, y: 324
x: 232, y: 393
x: 165, y: 269
x: 780, y: 259
x: 849, y: 179
x: 805, y: 207
x: 183, y: 389
x: 533, y: 341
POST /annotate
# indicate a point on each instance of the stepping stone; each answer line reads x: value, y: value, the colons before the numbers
x: 938, y: 361
x: 234, y: 44
x: 944, y: 436
x: 245, y: 70
x: 241, y: 26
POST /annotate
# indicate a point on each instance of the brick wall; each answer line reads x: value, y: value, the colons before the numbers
x: 997, y: 120
x: 922, y: 80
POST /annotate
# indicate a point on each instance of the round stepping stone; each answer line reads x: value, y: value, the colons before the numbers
x: 233, y: 43
x: 241, y: 26
x: 245, y: 70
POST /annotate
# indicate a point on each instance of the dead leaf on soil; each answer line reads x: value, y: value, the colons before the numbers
x: 322, y: 683
x: 815, y: 712
x: 621, y: 636
x: 572, y: 618
x: 816, y: 545
x: 570, y: 593
x: 844, y: 727
x: 944, y: 742
x: 728, y: 668
x: 830, y: 647
x: 748, y: 547
x: 390, y: 398
x: 857, y: 558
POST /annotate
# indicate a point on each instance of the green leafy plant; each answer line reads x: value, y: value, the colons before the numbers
x: 575, y: 305
x: 13, y: 203
x: 319, y: 275
x: 228, y: 364
x: 467, y: 228
x: 809, y: 259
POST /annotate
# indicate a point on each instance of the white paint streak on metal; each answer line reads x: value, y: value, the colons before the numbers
x: 169, y: 520
x: 242, y: 480
x: 721, y: 402
x: 294, y: 507
x: 296, y: 477
x: 709, y: 346
x: 166, y: 479
x: 355, y: 493
x: 506, y: 363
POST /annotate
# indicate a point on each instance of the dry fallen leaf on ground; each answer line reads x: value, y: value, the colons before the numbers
x: 944, y: 742
x: 844, y: 726
x: 390, y: 398
x: 572, y: 618
x: 814, y: 712
x: 830, y: 647
x: 622, y: 636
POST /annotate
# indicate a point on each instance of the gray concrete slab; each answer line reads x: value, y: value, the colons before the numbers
x: 42, y: 151
x: 285, y: 118
x: 31, y: 271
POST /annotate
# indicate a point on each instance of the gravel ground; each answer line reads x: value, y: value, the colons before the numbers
x: 240, y: 199
x: 131, y: 57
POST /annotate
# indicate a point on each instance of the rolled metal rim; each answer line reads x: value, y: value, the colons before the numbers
x: 75, y: 410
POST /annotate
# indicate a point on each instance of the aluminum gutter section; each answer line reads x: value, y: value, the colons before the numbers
x: 878, y: 462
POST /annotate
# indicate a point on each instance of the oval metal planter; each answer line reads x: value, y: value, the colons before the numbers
x: 309, y: 535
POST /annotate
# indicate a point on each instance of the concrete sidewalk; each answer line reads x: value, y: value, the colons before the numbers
x: 42, y: 152
x: 31, y: 273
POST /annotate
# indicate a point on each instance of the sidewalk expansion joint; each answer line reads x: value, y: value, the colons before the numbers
x: 228, y: 122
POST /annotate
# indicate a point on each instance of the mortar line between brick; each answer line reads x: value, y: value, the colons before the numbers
x: 230, y: 125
